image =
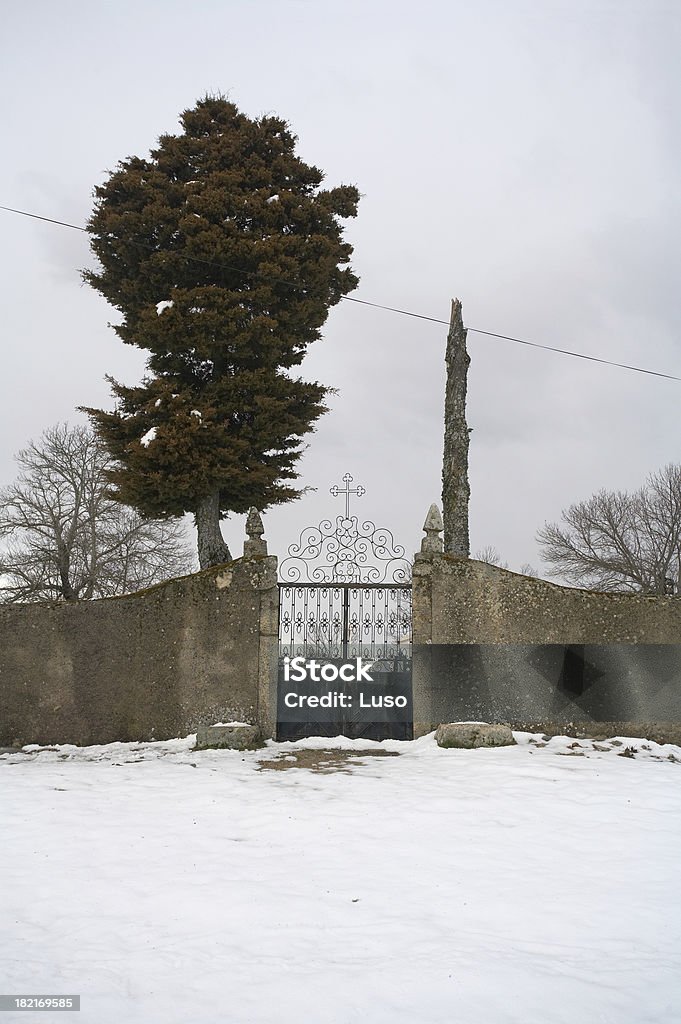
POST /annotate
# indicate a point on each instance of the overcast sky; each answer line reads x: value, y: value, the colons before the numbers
x: 521, y: 156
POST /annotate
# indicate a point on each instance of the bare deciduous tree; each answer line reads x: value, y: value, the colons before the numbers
x: 490, y: 555
x: 66, y: 538
x: 617, y: 540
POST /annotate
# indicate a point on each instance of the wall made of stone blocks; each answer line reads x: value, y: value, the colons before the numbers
x: 152, y: 665
x: 493, y: 645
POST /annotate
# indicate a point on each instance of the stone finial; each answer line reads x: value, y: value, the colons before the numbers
x: 431, y: 544
x: 254, y: 545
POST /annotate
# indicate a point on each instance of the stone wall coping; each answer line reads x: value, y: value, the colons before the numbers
x: 238, y: 566
x: 466, y: 564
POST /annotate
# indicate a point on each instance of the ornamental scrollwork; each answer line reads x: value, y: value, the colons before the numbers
x: 345, y: 550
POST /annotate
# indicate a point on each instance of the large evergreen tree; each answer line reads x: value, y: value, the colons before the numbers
x: 223, y: 255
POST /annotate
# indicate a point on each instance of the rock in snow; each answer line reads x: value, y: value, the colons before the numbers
x: 473, y: 734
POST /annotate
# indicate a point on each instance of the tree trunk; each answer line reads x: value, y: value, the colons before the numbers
x: 212, y: 547
x: 64, y: 564
x: 455, y: 489
x: 67, y: 591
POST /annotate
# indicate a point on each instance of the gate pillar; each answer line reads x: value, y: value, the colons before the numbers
x: 423, y: 667
x: 266, y: 588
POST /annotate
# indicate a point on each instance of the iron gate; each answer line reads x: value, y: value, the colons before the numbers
x: 345, y: 599
x: 345, y: 621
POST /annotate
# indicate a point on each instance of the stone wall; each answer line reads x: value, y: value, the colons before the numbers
x: 152, y: 665
x: 496, y: 646
x: 487, y: 645
x: 472, y: 602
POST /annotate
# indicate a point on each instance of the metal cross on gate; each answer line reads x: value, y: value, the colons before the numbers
x: 345, y: 551
x: 347, y: 491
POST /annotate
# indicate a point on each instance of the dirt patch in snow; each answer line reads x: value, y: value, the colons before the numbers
x: 659, y: 732
x: 323, y: 761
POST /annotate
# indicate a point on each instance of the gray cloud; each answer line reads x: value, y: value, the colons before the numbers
x: 520, y: 156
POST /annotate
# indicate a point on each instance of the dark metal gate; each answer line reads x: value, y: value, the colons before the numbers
x: 345, y: 612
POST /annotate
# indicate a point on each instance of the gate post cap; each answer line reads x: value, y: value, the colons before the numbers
x: 432, y: 543
x: 254, y: 545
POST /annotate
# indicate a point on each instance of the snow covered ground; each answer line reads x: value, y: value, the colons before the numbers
x: 167, y: 886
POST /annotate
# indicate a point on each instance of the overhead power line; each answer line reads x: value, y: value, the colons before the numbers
x: 519, y: 341
x: 365, y: 302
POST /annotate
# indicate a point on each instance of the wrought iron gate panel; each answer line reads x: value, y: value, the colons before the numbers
x: 344, y: 621
x: 345, y: 593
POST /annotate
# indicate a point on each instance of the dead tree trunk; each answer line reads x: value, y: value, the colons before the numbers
x: 211, y: 543
x: 455, y: 489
